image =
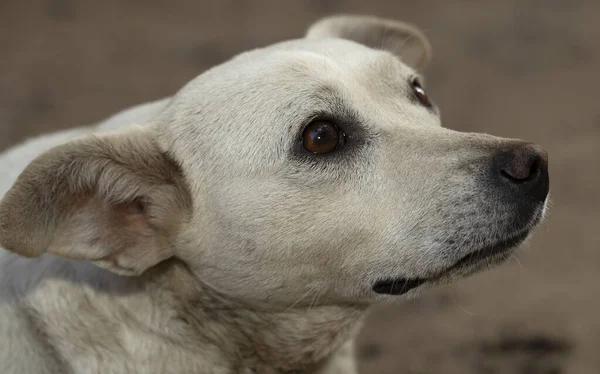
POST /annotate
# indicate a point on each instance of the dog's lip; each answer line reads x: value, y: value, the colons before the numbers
x: 397, y: 286
x: 489, y: 251
x: 400, y: 286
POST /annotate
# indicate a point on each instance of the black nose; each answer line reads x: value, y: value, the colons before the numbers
x: 524, y: 170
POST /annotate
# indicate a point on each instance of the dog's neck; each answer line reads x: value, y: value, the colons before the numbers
x: 167, y: 314
x: 279, y: 341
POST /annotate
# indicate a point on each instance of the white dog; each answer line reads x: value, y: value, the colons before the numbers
x: 246, y: 224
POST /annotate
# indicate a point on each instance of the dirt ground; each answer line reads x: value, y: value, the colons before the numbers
x: 518, y: 68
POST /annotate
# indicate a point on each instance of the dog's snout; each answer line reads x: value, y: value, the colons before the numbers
x: 524, y: 170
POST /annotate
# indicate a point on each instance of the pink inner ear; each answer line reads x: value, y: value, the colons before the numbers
x: 118, y: 237
x: 96, y: 230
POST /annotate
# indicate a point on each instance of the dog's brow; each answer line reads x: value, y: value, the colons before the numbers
x: 333, y: 101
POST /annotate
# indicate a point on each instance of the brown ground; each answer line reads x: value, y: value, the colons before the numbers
x: 518, y: 68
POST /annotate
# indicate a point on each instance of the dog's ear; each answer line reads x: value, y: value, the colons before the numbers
x: 405, y: 40
x: 116, y: 200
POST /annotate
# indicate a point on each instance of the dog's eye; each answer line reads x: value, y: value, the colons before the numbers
x: 322, y: 137
x: 420, y: 93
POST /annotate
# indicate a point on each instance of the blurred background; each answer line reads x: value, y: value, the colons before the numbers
x: 516, y: 68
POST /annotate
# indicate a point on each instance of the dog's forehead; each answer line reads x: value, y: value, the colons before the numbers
x: 302, y: 73
x: 292, y: 74
x: 338, y: 58
x: 374, y: 83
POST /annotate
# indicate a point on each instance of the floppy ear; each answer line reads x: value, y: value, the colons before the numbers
x: 404, y: 40
x: 116, y: 200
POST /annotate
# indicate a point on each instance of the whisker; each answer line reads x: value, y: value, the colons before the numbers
x: 459, y: 307
x: 314, y: 300
x: 300, y: 299
x: 518, y: 261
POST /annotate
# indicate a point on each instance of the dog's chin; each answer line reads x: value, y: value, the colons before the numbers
x: 475, y: 261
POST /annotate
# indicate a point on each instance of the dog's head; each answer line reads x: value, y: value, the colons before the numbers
x: 314, y: 170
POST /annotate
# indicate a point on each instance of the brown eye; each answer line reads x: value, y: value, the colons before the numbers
x: 420, y: 93
x: 322, y: 137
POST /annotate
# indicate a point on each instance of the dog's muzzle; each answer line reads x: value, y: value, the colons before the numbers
x: 519, y: 178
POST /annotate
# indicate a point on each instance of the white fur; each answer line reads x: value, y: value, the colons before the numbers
x: 273, y: 266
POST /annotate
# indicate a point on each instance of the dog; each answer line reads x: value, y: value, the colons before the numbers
x: 248, y: 223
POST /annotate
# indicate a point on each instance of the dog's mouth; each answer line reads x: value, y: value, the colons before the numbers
x: 399, y: 286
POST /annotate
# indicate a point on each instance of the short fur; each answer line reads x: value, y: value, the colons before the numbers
x: 206, y: 240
